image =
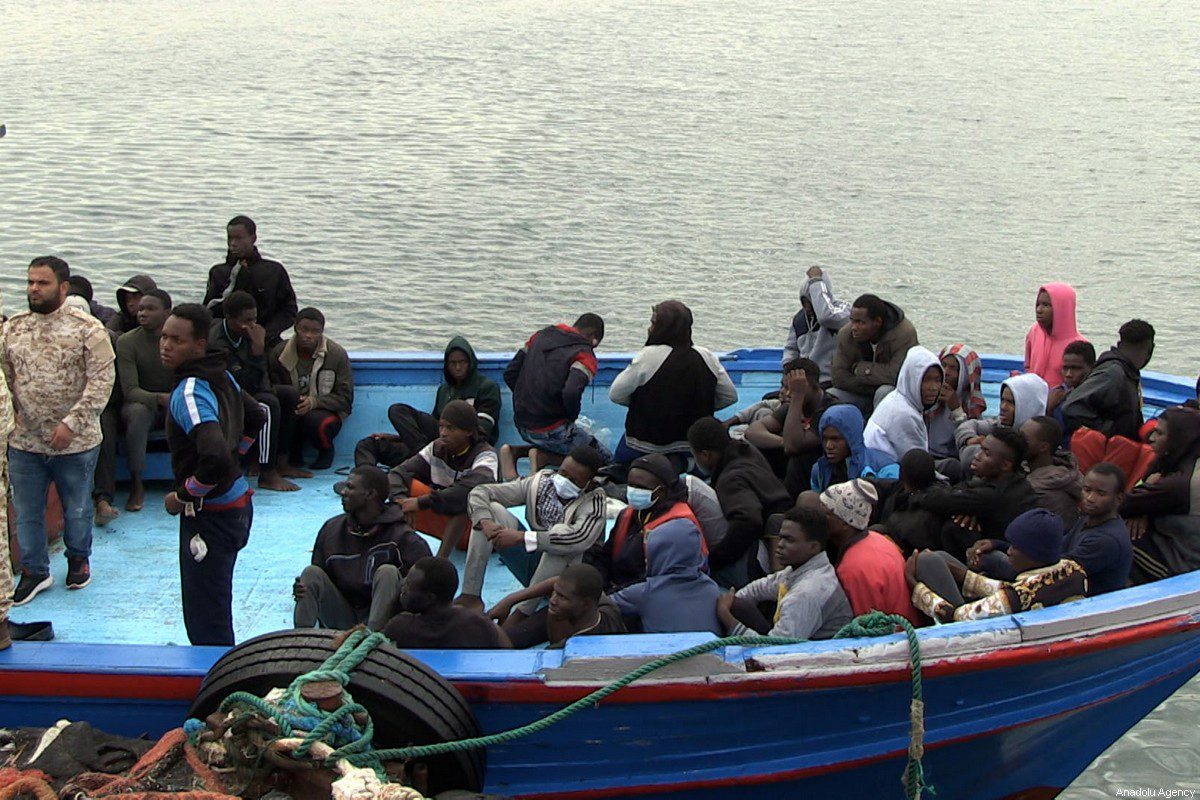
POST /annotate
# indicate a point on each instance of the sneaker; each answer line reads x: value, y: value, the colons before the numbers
x: 79, y: 574
x: 29, y: 586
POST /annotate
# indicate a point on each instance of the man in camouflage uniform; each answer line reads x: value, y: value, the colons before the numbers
x: 6, y: 578
x: 58, y: 363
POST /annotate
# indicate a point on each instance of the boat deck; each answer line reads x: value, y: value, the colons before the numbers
x: 134, y: 594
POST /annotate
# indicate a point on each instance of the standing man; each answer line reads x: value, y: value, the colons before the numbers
x: 1109, y: 399
x: 870, y: 351
x: 206, y: 430
x: 815, y: 327
x: 145, y: 386
x: 6, y: 577
x: 244, y: 268
x: 59, y: 365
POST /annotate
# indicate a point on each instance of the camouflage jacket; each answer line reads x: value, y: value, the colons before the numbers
x: 59, y: 368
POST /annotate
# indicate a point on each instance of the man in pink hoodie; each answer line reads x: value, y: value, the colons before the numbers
x: 1054, y: 329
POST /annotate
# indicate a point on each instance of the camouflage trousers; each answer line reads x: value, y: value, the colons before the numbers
x: 6, y: 575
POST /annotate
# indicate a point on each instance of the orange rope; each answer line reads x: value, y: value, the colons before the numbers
x: 97, y: 785
x: 16, y: 782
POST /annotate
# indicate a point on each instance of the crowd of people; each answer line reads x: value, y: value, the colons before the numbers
x: 872, y: 479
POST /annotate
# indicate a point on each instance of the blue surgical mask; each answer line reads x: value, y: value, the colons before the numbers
x: 564, y: 487
x: 639, y: 499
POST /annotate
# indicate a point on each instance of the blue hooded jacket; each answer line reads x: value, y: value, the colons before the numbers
x: 676, y: 596
x: 863, y: 462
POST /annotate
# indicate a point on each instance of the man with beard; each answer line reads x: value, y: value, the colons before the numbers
x: 245, y: 269
x: 59, y: 366
x: 211, y: 421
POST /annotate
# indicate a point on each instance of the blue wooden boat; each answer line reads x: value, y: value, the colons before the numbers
x: 1015, y: 706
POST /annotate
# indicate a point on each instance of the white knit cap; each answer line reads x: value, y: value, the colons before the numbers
x: 851, y: 502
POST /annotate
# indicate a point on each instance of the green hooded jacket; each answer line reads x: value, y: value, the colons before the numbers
x: 477, y: 389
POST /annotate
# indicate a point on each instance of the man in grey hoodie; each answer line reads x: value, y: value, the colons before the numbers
x: 815, y: 327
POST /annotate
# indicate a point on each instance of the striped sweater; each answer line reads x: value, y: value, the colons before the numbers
x: 583, y: 518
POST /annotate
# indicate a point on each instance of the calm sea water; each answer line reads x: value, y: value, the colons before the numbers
x: 427, y: 168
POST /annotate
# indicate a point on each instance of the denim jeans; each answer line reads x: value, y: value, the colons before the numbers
x: 30, y: 475
x: 560, y: 440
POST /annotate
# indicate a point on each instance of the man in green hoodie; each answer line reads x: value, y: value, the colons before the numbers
x: 415, y: 428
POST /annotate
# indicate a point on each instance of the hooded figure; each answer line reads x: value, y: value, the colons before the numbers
x: 898, y: 424
x: 1044, y: 348
x: 815, y: 327
x: 668, y: 385
x: 943, y: 421
x: 862, y: 462
x: 1029, y: 393
x: 123, y: 321
x: 476, y: 389
x: 677, y: 595
x: 1170, y: 505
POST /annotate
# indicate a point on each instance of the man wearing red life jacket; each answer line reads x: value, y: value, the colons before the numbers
x: 656, y: 496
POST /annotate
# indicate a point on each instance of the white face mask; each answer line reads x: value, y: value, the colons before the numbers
x: 564, y: 487
x: 639, y: 499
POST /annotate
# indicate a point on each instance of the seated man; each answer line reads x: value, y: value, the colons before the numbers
x: 868, y: 564
x: 656, y: 496
x: 677, y: 594
x: 1109, y: 399
x: 982, y: 507
x: 578, y: 607
x: 900, y: 517
x: 870, y: 350
x: 566, y: 513
x: 359, y: 560
x: 942, y: 585
x: 439, y: 478
x: 1053, y: 472
x: 318, y: 368
x: 243, y: 340
x: 1078, y: 359
x: 1022, y: 397
x: 845, y: 455
x: 547, y: 378
x: 430, y: 620
x: 415, y: 428
x: 814, y: 330
x: 899, y: 423
x: 792, y: 429
x: 748, y: 491
x: 1098, y: 541
x: 129, y: 302
x: 808, y: 600
x: 146, y: 386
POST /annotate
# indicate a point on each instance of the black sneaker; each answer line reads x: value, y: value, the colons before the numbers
x: 29, y: 586
x: 79, y: 574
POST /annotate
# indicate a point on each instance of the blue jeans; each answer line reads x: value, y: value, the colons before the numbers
x: 562, y: 439
x: 30, y: 475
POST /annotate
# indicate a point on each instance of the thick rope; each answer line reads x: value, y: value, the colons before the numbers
x: 354, y: 744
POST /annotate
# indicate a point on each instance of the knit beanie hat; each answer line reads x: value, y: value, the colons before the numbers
x: 1037, y: 533
x: 851, y: 502
x: 659, y: 466
x: 461, y: 414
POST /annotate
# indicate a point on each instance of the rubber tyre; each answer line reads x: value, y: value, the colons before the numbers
x: 409, y: 703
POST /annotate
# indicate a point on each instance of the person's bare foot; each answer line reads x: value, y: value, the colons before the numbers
x: 137, y: 497
x: 105, y: 513
x: 470, y: 601
x: 271, y: 479
x: 288, y: 471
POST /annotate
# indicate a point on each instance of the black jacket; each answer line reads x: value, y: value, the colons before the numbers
x: 749, y: 493
x: 993, y: 503
x: 1109, y: 399
x: 204, y: 449
x: 249, y: 370
x: 267, y: 282
x: 350, y: 557
x: 548, y: 375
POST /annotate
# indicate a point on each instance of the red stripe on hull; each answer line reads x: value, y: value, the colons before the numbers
x: 33, y: 683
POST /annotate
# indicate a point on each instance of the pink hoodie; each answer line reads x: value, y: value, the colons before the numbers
x: 1044, y: 351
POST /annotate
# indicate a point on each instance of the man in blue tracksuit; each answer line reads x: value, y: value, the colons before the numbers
x: 207, y: 429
